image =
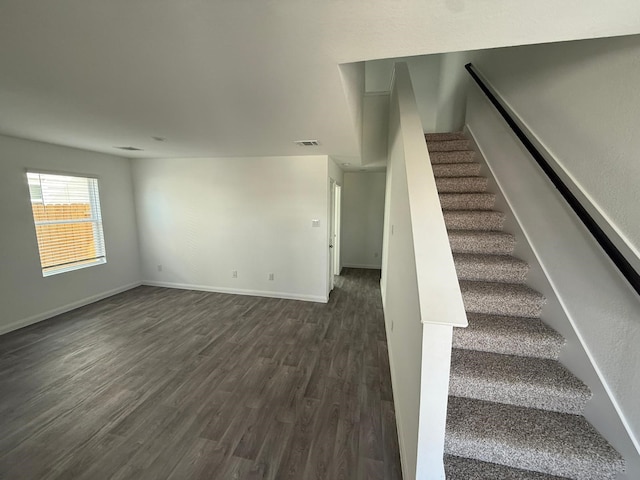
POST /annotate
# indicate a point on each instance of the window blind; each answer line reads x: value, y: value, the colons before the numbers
x: 68, y: 221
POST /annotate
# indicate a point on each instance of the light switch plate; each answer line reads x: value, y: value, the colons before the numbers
x: 315, y: 223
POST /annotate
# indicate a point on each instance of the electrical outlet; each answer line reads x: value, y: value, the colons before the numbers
x: 234, y: 274
x: 159, y: 268
x: 271, y: 276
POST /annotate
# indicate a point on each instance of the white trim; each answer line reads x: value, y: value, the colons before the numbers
x: 239, y: 291
x: 25, y: 322
x: 355, y: 265
x: 394, y: 388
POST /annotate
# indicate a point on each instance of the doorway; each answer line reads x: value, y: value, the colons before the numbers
x: 335, y: 195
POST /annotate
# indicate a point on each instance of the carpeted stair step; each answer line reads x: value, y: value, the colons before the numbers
x: 528, y: 337
x: 444, y: 136
x: 490, y: 268
x: 460, y: 468
x: 461, y: 184
x: 470, y: 169
x: 456, y: 156
x: 476, y: 241
x: 549, y: 442
x: 473, y: 220
x: 467, y: 201
x: 507, y: 299
x: 514, y: 380
x: 448, y: 145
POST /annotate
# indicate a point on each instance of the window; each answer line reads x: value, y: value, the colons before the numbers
x: 66, y: 213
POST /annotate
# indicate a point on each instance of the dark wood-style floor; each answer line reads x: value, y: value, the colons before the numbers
x: 157, y: 383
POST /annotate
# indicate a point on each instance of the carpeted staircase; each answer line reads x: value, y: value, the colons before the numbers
x: 514, y: 411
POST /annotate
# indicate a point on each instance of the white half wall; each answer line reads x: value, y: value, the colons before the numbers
x: 25, y: 295
x: 202, y: 219
x: 362, y: 219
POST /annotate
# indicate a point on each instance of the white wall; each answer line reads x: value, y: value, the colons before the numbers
x: 336, y: 172
x: 353, y: 81
x: 26, y: 297
x: 401, y: 302
x: 421, y: 296
x: 425, y: 76
x: 596, y: 311
x: 362, y: 219
x: 581, y: 100
x: 203, y: 218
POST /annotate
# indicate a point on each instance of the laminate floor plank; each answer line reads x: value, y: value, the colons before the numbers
x: 158, y: 383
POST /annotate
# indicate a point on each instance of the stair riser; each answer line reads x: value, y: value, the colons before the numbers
x: 528, y: 337
x: 530, y: 439
x: 456, y: 170
x: 461, y: 184
x: 448, y: 146
x: 487, y: 273
x: 511, y: 456
x: 473, y: 220
x: 461, y: 156
x: 467, y: 201
x: 492, y: 245
x: 506, y: 306
x: 458, y: 468
x: 443, y: 137
x: 521, y: 395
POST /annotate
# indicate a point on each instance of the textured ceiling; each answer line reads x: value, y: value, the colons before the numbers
x: 239, y: 77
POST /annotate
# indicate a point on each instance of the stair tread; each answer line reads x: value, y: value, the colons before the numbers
x: 491, y: 268
x: 549, y: 442
x: 481, y: 241
x: 461, y: 468
x: 529, y: 382
x: 501, y: 298
x: 509, y: 335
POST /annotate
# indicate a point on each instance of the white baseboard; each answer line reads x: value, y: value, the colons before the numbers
x: 24, y: 322
x: 355, y: 265
x: 238, y: 291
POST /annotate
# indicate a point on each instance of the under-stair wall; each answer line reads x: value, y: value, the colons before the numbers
x: 421, y: 297
x: 588, y: 301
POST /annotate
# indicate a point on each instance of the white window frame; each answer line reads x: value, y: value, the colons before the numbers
x: 95, y: 220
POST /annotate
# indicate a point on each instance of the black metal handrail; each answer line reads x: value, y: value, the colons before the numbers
x: 603, y: 240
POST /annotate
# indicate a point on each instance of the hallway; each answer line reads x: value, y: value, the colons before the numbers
x: 161, y: 383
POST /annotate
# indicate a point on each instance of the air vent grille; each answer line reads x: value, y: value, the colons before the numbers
x: 307, y: 143
x: 131, y: 149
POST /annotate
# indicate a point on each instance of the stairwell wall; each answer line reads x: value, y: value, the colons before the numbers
x: 596, y: 311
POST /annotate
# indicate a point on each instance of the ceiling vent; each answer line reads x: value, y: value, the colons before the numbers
x: 131, y: 149
x: 307, y: 143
